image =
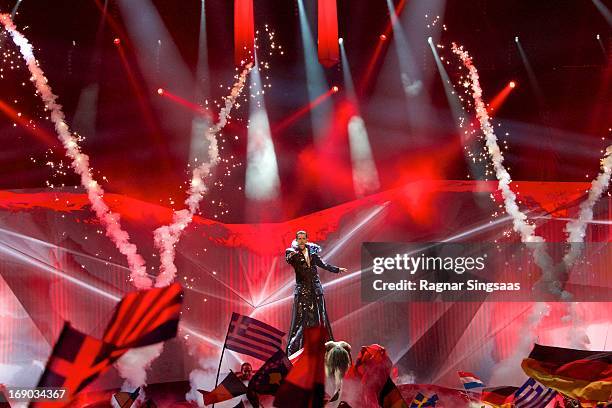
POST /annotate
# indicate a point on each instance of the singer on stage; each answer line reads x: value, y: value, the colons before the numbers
x: 308, y: 304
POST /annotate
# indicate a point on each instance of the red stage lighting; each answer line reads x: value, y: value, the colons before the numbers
x: 160, y: 91
x: 512, y: 84
x: 117, y: 41
x: 335, y: 89
x: 383, y: 37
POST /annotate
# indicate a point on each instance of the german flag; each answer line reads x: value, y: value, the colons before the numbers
x: 230, y: 387
x: 498, y: 397
x: 304, y: 386
x: 390, y: 396
x: 145, y: 317
x: 580, y: 374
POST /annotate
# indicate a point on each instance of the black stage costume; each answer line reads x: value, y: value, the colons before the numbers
x: 308, y: 304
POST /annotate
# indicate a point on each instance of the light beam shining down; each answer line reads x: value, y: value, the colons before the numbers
x: 533, y: 81
x: 365, y: 175
x: 315, y: 77
x: 262, y: 180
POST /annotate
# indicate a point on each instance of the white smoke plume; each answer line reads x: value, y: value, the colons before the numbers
x: 167, y: 236
x: 202, y: 378
x: 133, y: 365
x: 80, y: 161
x: 576, y: 336
x: 575, y: 229
x: 509, y: 371
x: 525, y: 229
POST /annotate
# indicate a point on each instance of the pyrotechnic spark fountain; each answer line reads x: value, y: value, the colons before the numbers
x: 80, y: 161
x: 167, y: 236
x: 575, y: 230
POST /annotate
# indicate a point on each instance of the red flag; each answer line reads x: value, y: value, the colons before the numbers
x: 76, y: 360
x: 229, y: 388
x: 304, y: 386
x: 145, y: 317
x: 244, y: 32
x: 3, y: 399
x: 328, y: 33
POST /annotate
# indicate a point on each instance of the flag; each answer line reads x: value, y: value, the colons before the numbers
x: 304, y: 386
x: 533, y: 395
x: 230, y: 387
x: 76, y: 360
x: 253, y: 337
x: 579, y: 374
x: 470, y: 380
x: 149, y: 403
x: 268, y: 378
x: 498, y: 396
x: 145, y: 317
x: 390, y: 396
x: 421, y: 401
x: 3, y: 399
x: 126, y: 399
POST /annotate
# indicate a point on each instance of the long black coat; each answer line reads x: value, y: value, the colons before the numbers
x: 308, y: 305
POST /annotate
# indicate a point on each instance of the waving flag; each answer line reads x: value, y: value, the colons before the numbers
x: 253, y: 337
x: 304, y: 386
x: 3, y: 400
x: 579, y: 374
x: 421, y: 401
x: 390, y: 396
x: 230, y: 387
x: 145, y: 317
x: 141, y: 318
x: 498, y: 396
x: 533, y: 395
x: 76, y: 360
x: 126, y: 399
x: 470, y: 380
x: 268, y: 378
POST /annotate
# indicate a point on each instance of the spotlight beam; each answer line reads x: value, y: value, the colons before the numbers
x: 315, y: 77
x: 381, y: 45
x: 29, y: 260
x: 451, y: 94
x: 33, y: 128
x: 14, y: 11
x: 533, y: 81
x: 293, y: 118
x: 605, y: 12
x: 15, y: 253
x: 346, y: 73
x: 195, y: 108
x: 262, y: 179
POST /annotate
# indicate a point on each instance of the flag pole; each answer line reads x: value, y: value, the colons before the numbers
x: 221, y: 359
